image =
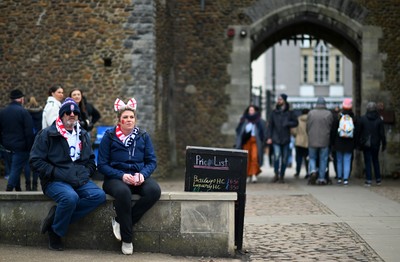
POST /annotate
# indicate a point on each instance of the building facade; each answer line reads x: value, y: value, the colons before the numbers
x: 304, y: 71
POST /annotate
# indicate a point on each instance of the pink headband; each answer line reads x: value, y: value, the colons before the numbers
x: 120, y: 105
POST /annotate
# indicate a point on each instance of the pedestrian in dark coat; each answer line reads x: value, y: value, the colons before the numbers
x: 16, y: 135
x: 280, y: 122
x: 372, y: 138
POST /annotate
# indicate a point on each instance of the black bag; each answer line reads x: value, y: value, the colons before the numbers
x: 245, y: 137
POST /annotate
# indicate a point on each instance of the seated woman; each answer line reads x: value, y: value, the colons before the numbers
x: 127, y: 160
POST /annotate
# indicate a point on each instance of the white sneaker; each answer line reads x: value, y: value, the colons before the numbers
x: 116, y: 229
x: 254, y: 179
x: 127, y: 248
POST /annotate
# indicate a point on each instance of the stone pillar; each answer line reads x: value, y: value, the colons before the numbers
x: 240, y: 86
x: 371, y: 64
x: 142, y: 81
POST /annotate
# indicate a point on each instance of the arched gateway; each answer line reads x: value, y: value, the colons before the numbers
x: 339, y: 23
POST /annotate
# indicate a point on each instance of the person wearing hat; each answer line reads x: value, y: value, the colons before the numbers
x: 280, y: 123
x: 319, y: 125
x: 62, y: 155
x: 372, y: 137
x: 16, y: 136
x: 344, y: 145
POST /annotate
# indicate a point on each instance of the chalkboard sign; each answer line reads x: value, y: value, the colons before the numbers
x: 211, y: 169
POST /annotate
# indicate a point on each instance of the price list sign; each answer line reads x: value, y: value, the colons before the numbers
x: 211, y: 169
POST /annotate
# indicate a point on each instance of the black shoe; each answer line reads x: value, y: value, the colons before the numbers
x: 48, y: 221
x: 275, y: 179
x: 9, y: 188
x: 18, y: 189
x: 55, y: 241
x: 28, y: 187
x: 34, y: 188
x: 313, y: 178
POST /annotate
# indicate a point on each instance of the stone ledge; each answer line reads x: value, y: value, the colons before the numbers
x: 180, y: 223
x: 199, y: 196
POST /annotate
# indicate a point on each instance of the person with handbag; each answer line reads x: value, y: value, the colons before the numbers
x: 372, y: 139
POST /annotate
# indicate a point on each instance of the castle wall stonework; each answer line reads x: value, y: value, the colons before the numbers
x: 173, y: 56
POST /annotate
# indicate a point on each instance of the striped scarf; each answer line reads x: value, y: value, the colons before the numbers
x: 126, y: 140
x: 73, y: 139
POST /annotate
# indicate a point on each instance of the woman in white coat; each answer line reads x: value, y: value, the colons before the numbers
x: 53, y: 104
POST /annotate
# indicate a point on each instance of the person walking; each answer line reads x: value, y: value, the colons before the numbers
x: 319, y: 125
x: 89, y: 114
x: 62, y: 155
x: 280, y: 123
x: 372, y: 138
x: 301, y: 142
x: 53, y: 104
x: 344, y: 138
x: 16, y: 136
x: 36, y: 112
x: 127, y: 161
x: 251, y: 136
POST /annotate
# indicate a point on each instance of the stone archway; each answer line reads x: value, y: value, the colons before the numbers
x: 339, y: 25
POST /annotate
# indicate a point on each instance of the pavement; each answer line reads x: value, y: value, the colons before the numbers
x: 284, y: 222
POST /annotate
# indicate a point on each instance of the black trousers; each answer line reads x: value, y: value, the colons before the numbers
x: 128, y: 214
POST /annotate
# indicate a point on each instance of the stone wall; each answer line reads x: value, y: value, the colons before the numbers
x: 198, y: 65
x: 173, y: 55
x: 385, y: 16
x: 180, y: 223
x: 201, y: 58
x: 106, y: 48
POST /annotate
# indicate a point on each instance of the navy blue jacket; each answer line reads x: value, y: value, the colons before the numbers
x: 371, y: 124
x: 51, y: 159
x: 16, y: 128
x: 115, y: 159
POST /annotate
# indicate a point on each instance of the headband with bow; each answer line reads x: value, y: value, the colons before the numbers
x: 120, y: 105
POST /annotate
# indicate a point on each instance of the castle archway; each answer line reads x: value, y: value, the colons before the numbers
x: 341, y: 26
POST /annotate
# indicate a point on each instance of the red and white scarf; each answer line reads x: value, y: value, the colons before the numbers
x: 73, y: 139
x: 126, y: 139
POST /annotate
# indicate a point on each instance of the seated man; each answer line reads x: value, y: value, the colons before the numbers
x: 63, y: 157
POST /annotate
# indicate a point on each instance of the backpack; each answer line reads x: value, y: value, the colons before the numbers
x: 346, y: 126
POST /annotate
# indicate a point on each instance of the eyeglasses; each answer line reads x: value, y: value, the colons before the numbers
x: 68, y: 113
